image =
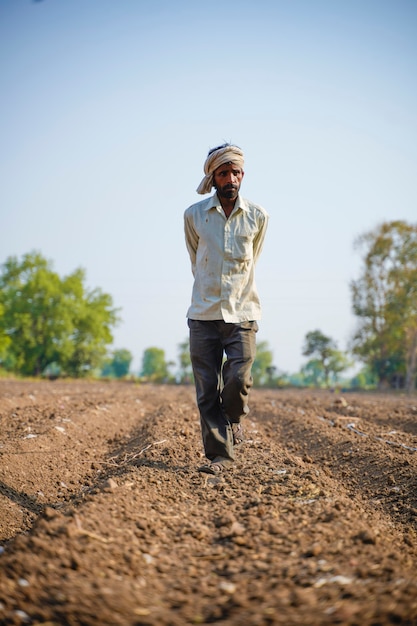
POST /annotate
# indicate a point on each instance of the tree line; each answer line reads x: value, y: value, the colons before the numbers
x: 55, y: 326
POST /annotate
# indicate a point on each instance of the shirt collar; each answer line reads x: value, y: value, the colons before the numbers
x: 214, y: 202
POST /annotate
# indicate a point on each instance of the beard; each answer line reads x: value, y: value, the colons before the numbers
x: 230, y: 192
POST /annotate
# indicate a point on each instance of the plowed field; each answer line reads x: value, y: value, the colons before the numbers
x: 104, y: 519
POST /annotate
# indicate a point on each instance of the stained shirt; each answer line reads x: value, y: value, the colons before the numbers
x: 223, y: 253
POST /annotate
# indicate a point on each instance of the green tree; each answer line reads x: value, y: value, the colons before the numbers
x: 154, y: 365
x: 117, y: 365
x: 4, y: 339
x: 296, y: 379
x: 321, y: 347
x: 328, y: 362
x: 121, y: 362
x: 93, y: 319
x: 364, y: 379
x: 49, y: 320
x: 338, y: 363
x: 107, y: 370
x: 385, y: 301
x: 185, y: 369
x: 262, y: 366
x: 313, y: 373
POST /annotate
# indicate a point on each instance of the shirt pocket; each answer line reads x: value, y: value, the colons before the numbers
x: 243, y: 247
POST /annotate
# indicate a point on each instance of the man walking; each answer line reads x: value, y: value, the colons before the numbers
x: 224, y: 236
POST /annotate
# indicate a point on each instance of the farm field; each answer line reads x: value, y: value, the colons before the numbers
x: 104, y: 519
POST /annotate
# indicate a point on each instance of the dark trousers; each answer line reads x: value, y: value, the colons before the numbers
x: 222, y: 388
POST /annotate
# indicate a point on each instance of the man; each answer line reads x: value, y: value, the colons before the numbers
x: 224, y: 235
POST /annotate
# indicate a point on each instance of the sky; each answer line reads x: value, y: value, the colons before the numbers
x: 109, y: 107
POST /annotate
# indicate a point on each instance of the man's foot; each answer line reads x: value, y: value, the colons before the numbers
x: 216, y: 466
x: 238, y: 436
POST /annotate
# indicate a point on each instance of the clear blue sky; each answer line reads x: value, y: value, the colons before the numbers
x: 108, y: 109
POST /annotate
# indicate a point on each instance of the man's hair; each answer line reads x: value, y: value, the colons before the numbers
x: 225, y: 145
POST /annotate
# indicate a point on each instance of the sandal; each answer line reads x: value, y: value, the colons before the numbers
x: 238, y: 436
x: 211, y: 468
x: 217, y: 466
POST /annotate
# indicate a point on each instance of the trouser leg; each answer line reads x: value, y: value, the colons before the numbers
x: 206, y: 352
x: 240, y: 349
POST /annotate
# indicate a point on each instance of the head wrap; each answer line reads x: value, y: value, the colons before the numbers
x: 224, y: 154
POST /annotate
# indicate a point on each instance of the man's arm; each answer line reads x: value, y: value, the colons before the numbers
x: 259, y: 239
x: 191, y: 240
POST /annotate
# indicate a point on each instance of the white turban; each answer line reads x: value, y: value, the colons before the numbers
x: 228, y: 154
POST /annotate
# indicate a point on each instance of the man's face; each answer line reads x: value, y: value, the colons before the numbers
x: 227, y: 180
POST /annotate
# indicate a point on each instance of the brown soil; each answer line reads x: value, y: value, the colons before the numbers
x: 105, y: 520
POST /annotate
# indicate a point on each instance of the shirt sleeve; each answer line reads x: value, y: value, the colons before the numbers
x: 191, y: 240
x: 259, y: 239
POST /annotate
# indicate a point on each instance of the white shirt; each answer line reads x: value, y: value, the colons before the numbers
x: 223, y: 253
